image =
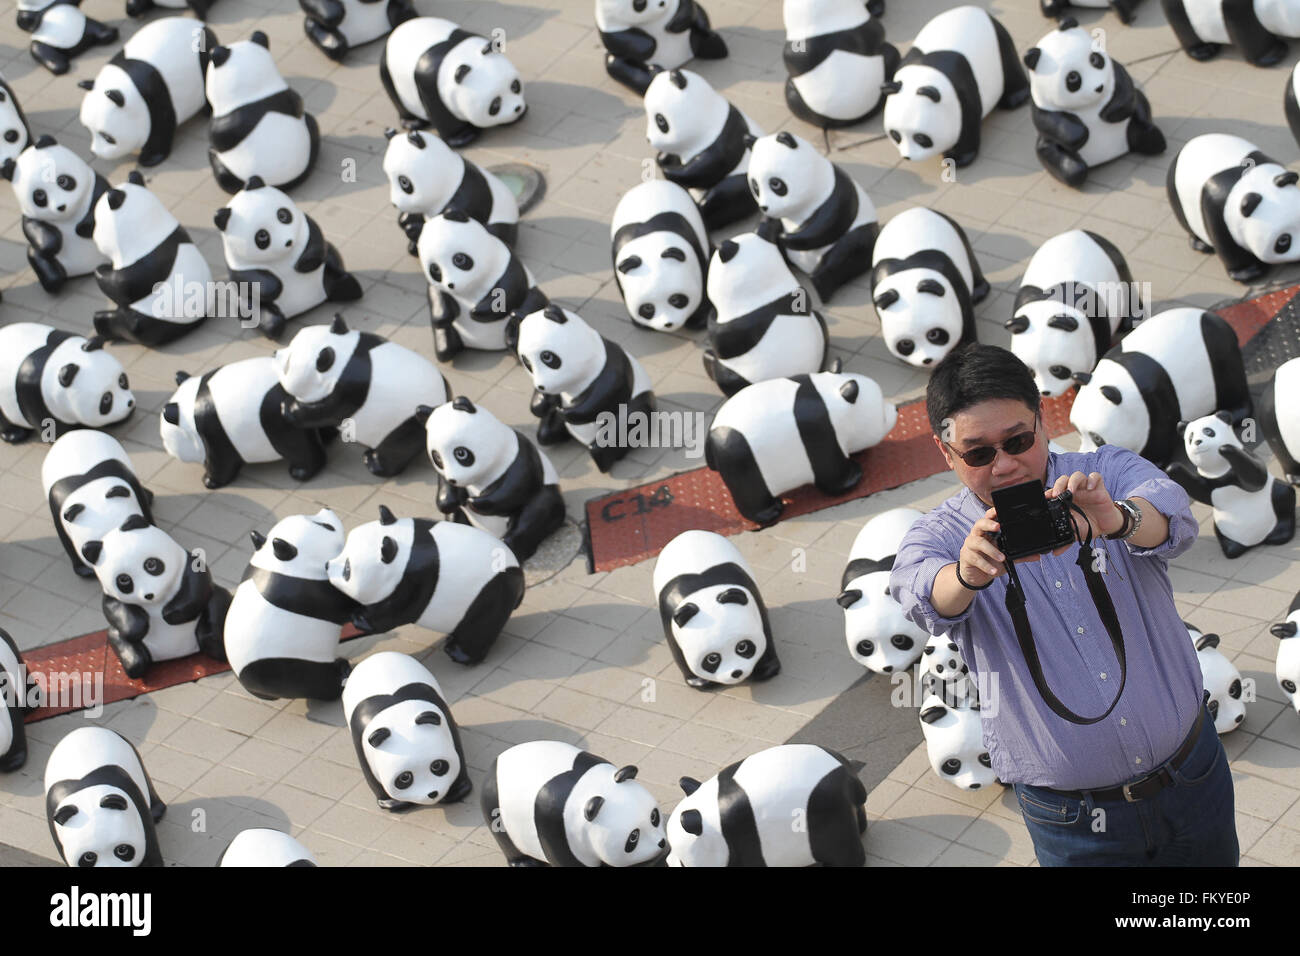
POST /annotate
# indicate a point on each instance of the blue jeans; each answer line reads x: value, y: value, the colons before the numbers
x: 1191, y: 823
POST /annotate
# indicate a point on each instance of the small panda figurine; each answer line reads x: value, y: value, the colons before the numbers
x: 264, y: 847
x: 742, y: 816
x: 838, y: 60
x: 259, y: 127
x: 1076, y: 300
x: 925, y: 283
x: 440, y: 575
x: 456, y: 82
x: 406, y: 738
x: 475, y: 283
x: 99, y: 801
x: 1086, y: 109
x: 703, y: 144
x: 1255, y: 27
x: 427, y: 177
x: 336, y: 377
x: 50, y: 379
x: 60, y: 31
x: 954, y: 741
x: 879, y: 635
x: 337, y: 26
x: 765, y: 327
x: 944, y: 673
x: 492, y: 477
x: 827, y: 222
x: 274, y: 247
x: 641, y: 36
x: 152, y: 86
x: 661, y: 256
x: 962, y: 64
x: 1222, y: 681
x: 92, y: 488
x: 1126, y: 10
x: 1279, y: 417
x: 13, y: 694
x: 548, y: 803
x: 580, y: 378
x: 15, y: 134
x: 1288, y: 653
x: 1251, y: 507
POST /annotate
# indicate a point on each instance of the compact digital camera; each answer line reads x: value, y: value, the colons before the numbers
x: 1031, y: 522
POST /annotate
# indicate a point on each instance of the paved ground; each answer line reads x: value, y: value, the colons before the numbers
x: 583, y: 659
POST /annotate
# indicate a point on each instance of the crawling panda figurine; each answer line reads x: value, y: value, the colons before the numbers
x: 641, y: 36
x: 925, y: 283
x: 259, y: 127
x: 492, y: 477
x: 13, y: 694
x: 764, y: 326
x: 152, y: 86
x: 1126, y: 10
x: 838, y: 60
x: 954, y: 741
x: 828, y: 224
x: 1251, y: 507
x: 441, y: 76
x: 548, y: 803
x: 265, y: 847
x: 1288, y: 653
x: 1279, y: 417
x: 1222, y: 681
x: 54, y: 381
x: 878, y: 634
x: 1086, y: 109
x: 15, y: 134
x: 661, y: 256
x: 337, y: 26
x: 406, y: 738
x: 440, y: 575
x: 962, y: 64
x: 944, y: 673
x: 91, y: 488
x: 746, y: 814
x: 703, y: 144
x: 100, y: 803
x: 60, y: 31
x: 337, y: 377
x: 1255, y: 27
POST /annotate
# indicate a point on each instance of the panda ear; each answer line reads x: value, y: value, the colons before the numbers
x: 931, y: 714
x: 45, y: 141
x: 1111, y: 394
x: 625, y: 773
x: 390, y: 132
x: 416, y: 139
x: 836, y: 366
x: 86, y: 84
x: 219, y: 55
x: 462, y: 71
x: 378, y: 736
x: 92, y: 344
x: 849, y: 598
x: 254, y: 182
x: 1017, y: 324
x: 221, y: 218
x: 135, y: 523
x: 65, y: 813
x: 116, y: 96
x: 72, y: 512
x: 849, y: 391
x: 258, y: 538
x: 513, y: 321
x: 1207, y: 640
x: 692, y: 822
x: 386, y: 517
x: 284, y: 551
x: 628, y: 264
x: 430, y: 717
x: 1249, y: 203
x: 749, y: 139
x: 135, y: 177
x: 929, y: 649
x: 555, y: 314
x: 1066, y: 323
x: 727, y: 251
x: 115, y: 198
x: 689, y: 785
x: 387, y: 550
x: 1067, y: 23
x: 8, y: 169
x: 886, y: 299
x: 91, y: 551
x: 455, y: 215
x: 113, y: 801
x: 1031, y: 57
x: 1286, y: 179
x: 678, y: 79
x: 931, y: 287
x: 171, y: 413
x: 182, y: 377
x: 890, y: 88
x: 68, y: 373
x: 1284, y: 630
x: 592, y: 808
x: 422, y: 414
x: 685, y: 612
x: 487, y: 48
x: 1181, y: 427
x: 260, y: 39
x: 1082, y: 378
x: 338, y: 326
x: 325, y: 359
x: 929, y: 92
x: 769, y: 229
x: 463, y: 404
x: 785, y: 139
x: 1225, y: 417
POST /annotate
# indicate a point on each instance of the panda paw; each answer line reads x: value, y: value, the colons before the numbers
x: 1275, y: 54
x: 1248, y: 273
x: 1200, y: 245
x: 13, y: 434
x: 14, y: 760
x: 457, y: 654
x: 1204, y: 51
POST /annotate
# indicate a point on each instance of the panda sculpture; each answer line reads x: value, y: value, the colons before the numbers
x: 53, y: 381
x: 582, y: 382
x: 925, y: 283
x: 91, y: 488
x: 878, y: 634
x: 661, y: 256
x: 440, y: 575
x: 1178, y: 365
x: 336, y: 376
x: 944, y: 673
x: 640, y: 37
x: 1126, y: 10
x: 456, y: 82
x: 259, y: 127
x: 962, y: 64
x: 15, y: 133
x: 407, y: 741
x: 338, y: 26
x: 764, y: 326
x: 1085, y: 107
x: 742, y: 816
x: 492, y: 477
x: 152, y: 86
x: 1255, y: 27
x: 138, y: 8
x: 548, y: 803
x: 1291, y: 102
x: 1279, y: 417
x: 273, y: 247
x: 954, y: 742
x: 775, y: 436
x: 702, y: 143
x: 1251, y: 507
x: 99, y: 801
x: 837, y: 60
x: 1288, y: 653
x: 60, y: 32
x: 827, y: 222
x: 713, y: 616
x: 265, y: 847
x: 1076, y: 300
x: 13, y: 705
x: 1222, y: 682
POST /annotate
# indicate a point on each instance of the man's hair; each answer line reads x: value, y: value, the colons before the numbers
x: 975, y: 373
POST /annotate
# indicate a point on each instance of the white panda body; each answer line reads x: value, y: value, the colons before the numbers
x: 671, y: 48
x: 1221, y: 679
x: 237, y: 391
x: 13, y: 705
x: 878, y: 635
x: 63, y: 25
x: 660, y: 252
x: 1279, y: 412
x: 265, y: 847
x: 34, y: 358
x: 845, y: 86
x: 257, y: 155
x: 954, y: 741
x: 15, y: 134
x: 364, y: 22
x: 1287, y: 664
x: 163, y: 640
x: 40, y: 167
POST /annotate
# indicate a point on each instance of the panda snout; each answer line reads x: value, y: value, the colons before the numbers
x: 664, y: 843
x: 1196, y: 442
x: 288, y: 243
x: 63, y: 207
x: 737, y: 674
x: 1101, y: 87
x: 149, y: 596
x: 927, y: 361
x: 433, y: 794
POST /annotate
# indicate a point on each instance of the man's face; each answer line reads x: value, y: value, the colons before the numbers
x: 991, y: 423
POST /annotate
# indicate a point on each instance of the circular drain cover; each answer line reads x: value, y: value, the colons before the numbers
x: 525, y: 182
x: 554, y: 555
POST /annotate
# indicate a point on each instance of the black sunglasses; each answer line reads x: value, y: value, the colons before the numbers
x: 1017, y: 444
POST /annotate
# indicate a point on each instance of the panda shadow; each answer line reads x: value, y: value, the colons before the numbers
x: 1274, y: 140
x: 484, y: 15
x: 221, y: 819
x: 61, y: 124
x: 585, y: 100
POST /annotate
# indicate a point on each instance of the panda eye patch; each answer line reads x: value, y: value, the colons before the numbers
x: 66, y: 183
x: 40, y: 199
x: 951, y: 766
x: 711, y: 662
x: 404, y: 780
x: 654, y: 817
x: 746, y: 649
x: 550, y: 359
x: 124, y: 852
x: 434, y: 272
x: 109, y: 139
x: 262, y: 239
x: 464, y: 456
x: 632, y: 839
x: 124, y: 583
x: 1234, y: 690
x: 325, y: 360
x: 662, y: 122
x: 121, y: 381
x: 1288, y: 685
x: 778, y: 186
x: 937, y: 337
x: 866, y: 648
x: 436, y: 459
x: 284, y: 215
x: 1283, y: 243
x: 923, y: 140
x: 1097, y: 60
x: 154, y: 566
x: 11, y: 136
x: 896, y: 136
x: 526, y: 363
x: 87, y: 859
x: 462, y: 262
x: 495, y: 108
x: 404, y: 183
x: 1073, y: 81
x: 105, y: 403
x: 1060, y: 371
x: 984, y: 759
x: 516, y: 87
x: 905, y: 346
x: 678, y: 301
x: 439, y: 768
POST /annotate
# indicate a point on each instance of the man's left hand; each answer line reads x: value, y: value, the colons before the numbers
x: 1090, y: 494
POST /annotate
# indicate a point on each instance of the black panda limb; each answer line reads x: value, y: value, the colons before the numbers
x: 706, y: 43
x: 1284, y: 507
x: 1015, y: 82
x: 127, y: 627
x: 273, y: 678
x: 399, y: 447
x: 728, y: 381
x: 728, y: 452
x: 490, y: 802
x: 847, y: 259
x: 1258, y: 46
x: 478, y: 630
x: 1143, y: 135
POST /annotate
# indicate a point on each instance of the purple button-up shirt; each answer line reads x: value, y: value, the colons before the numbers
x: 1027, y: 742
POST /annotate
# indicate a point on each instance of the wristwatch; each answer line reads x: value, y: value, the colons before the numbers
x: 1132, y: 520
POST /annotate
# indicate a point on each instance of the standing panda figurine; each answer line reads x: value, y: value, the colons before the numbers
x: 1222, y: 682
x: 827, y: 222
x: 661, y: 255
x: 15, y: 134
x: 1124, y: 9
x: 961, y: 65
x: 954, y: 742
x: 13, y: 705
x: 259, y: 127
x: 713, y: 616
x: 880, y: 637
x: 1288, y: 653
x: 441, y: 76
x: 60, y: 31
x: 925, y: 283
x: 703, y: 143
x: 1279, y: 417
x: 742, y: 816
x: 265, y: 847
x: 838, y: 60
x: 548, y: 803
x: 640, y: 36
x: 944, y: 674
x: 1255, y: 27
x: 337, y: 26
x: 1086, y: 109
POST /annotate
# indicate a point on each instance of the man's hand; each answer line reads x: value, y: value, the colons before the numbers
x: 1090, y: 494
x: 980, y: 561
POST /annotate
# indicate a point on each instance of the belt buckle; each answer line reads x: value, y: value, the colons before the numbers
x: 1128, y: 795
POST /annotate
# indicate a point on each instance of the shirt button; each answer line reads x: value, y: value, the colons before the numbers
x: 1123, y: 722
x: 1080, y: 630
x: 1103, y: 675
x: 1139, y: 759
x: 1058, y: 584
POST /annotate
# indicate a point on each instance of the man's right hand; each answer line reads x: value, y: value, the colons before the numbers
x: 980, y: 561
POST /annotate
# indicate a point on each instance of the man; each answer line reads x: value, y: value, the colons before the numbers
x: 1148, y: 784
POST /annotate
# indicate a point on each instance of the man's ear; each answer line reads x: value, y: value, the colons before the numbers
x: 943, y: 450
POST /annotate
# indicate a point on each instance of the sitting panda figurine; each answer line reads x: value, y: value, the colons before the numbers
x: 878, y: 634
x: 60, y: 31
x: 1288, y: 653
x: 55, y: 381
x: 742, y: 816
x: 1255, y: 27
x: 827, y: 222
x: 492, y: 477
x: 837, y: 60
x: 1279, y: 417
x: 661, y: 256
x: 337, y: 26
x: 265, y: 847
x: 1251, y: 507
x: 1126, y: 10
x: 703, y: 144
x: 456, y: 82
x: 954, y: 741
x: 640, y: 36
x: 1086, y: 109
x: 1222, y: 682
x: 13, y: 705
x: 275, y: 248
x: 944, y: 674
x: 406, y: 739
x: 548, y: 803
x: 15, y: 134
